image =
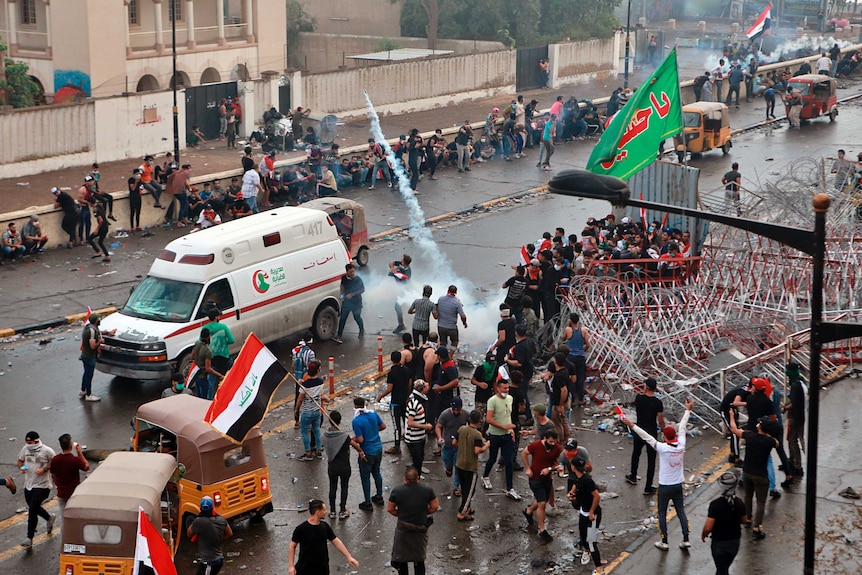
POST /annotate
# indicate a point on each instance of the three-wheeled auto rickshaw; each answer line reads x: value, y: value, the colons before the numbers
x: 706, y: 126
x: 349, y: 219
x: 100, y: 522
x: 235, y: 476
x: 819, y: 96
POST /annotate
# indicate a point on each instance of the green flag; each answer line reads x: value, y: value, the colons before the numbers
x: 653, y: 113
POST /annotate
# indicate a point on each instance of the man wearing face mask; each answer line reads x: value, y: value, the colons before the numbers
x: 149, y: 181
x: 541, y: 458
x: 178, y: 387
x: 501, y: 432
x: 34, y: 461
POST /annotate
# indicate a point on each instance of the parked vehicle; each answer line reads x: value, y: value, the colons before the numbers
x: 235, y: 476
x: 706, y: 126
x: 275, y: 273
x: 818, y: 93
x: 349, y: 219
x: 100, y: 522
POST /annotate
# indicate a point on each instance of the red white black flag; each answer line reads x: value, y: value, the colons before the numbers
x: 243, y: 397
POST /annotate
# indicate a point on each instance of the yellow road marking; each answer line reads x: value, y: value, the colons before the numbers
x: 38, y: 540
x: 22, y: 517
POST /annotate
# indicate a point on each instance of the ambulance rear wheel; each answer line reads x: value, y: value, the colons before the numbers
x: 362, y: 257
x: 325, y: 323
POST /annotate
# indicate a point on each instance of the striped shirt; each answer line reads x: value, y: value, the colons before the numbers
x: 313, y: 389
x: 416, y: 408
x: 422, y: 307
x: 448, y: 309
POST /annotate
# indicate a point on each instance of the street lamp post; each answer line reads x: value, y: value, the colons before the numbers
x: 176, y: 112
x: 628, y: 44
x: 583, y: 184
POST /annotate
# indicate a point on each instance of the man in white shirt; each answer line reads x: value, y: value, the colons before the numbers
x: 208, y: 218
x: 823, y: 64
x: 671, y: 474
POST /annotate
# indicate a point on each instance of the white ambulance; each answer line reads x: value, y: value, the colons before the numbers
x: 274, y: 273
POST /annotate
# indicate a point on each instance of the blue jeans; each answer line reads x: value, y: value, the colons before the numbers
x: 368, y: 467
x: 184, y: 206
x: 770, y: 473
x: 667, y: 493
x: 449, y: 454
x: 251, y: 200
x: 85, y: 223
x: 381, y: 166
x: 507, y: 445
x: 89, y: 369
x: 14, y: 251
x: 346, y: 309
x: 309, y: 421
x: 202, y: 386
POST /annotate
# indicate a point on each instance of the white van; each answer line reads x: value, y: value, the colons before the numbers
x: 273, y: 273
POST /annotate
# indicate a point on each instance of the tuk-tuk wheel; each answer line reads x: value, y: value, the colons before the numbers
x: 833, y: 114
x: 725, y: 149
x: 680, y: 156
x: 362, y: 257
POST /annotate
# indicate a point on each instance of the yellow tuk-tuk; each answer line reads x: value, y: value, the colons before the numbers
x: 706, y: 125
x: 100, y: 521
x: 349, y: 219
x: 235, y: 476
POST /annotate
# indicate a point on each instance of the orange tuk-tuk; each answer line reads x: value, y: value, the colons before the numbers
x: 235, y: 476
x: 100, y: 521
x: 818, y: 93
x: 349, y: 219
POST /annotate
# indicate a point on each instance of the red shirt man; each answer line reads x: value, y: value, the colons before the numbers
x: 66, y: 468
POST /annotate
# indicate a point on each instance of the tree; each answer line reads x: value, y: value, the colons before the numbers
x: 298, y: 21
x: 17, y: 88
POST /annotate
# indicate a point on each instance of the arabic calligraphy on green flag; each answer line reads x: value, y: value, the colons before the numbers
x: 653, y: 113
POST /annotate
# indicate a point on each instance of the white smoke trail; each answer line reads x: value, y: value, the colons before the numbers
x: 431, y: 267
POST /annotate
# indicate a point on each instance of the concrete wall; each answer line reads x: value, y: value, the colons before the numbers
x: 579, y: 62
x: 44, y: 132
x: 380, y: 17
x: 101, y: 130
x: 322, y: 52
x: 414, y: 85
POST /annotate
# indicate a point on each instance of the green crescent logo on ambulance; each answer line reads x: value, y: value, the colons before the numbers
x: 259, y: 281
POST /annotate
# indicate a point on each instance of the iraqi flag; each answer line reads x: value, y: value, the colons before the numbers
x: 524, y: 257
x: 761, y: 25
x: 152, y: 554
x: 192, y: 374
x: 243, y: 397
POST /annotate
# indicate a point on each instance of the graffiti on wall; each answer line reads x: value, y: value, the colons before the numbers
x: 70, y: 86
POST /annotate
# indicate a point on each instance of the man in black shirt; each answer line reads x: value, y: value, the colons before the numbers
x: 483, y: 379
x: 412, y: 503
x: 732, y: 181
x: 398, y: 384
x: 758, y: 447
x: 516, y: 285
x: 560, y: 395
x: 505, y: 334
x: 795, y: 411
x: 585, y: 497
x: 650, y: 415
x: 761, y: 409
x: 312, y: 536
x: 724, y: 519
x: 520, y: 358
x: 733, y: 399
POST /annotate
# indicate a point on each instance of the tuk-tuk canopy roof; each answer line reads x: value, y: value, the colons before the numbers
x: 710, y: 110
x: 335, y: 204
x: 121, y: 484
x: 814, y: 79
x: 183, y: 415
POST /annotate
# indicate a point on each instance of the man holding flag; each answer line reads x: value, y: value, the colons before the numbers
x: 653, y: 113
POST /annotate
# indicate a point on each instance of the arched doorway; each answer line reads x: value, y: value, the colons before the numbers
x: 39, y: 98
x: 210, y: 76
x: 183, y: 80
x: 147, y: 83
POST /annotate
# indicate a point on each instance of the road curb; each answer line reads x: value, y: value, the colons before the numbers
x: 381, y: 236
x: 56, y: 322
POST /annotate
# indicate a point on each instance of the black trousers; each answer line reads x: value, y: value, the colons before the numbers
x: 639, y: 445
x: 417, y: 453
x: 336, y: 475
x: 34, y: 498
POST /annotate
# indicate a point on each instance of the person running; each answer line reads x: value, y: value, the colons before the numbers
x: 209, y: 529
x: 311, y: 536
x: 724, y: 518
x: 650, y: 414
x: 66, y: 468
x: 501, y: 432
x: 758, y: 451
x: 470, y: 445
x: 584, y: 495
x: 400, y: 270
x: 541, y: 460
x: 352, y: 289
x: 671, y: 474
x: 34, y: 461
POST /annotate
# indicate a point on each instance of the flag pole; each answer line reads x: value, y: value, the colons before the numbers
x: 317, y: 403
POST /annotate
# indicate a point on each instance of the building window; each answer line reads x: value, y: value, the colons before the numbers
x: 28, y: 12
x: 133, y: 13
x: 175, y: 7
